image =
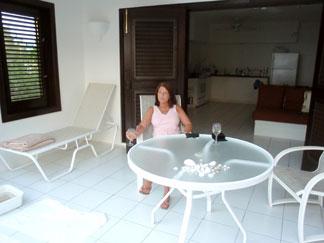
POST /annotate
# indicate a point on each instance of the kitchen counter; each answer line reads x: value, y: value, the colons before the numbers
x: 239, y: 76
x: 232, y: 75
x: 235, y: 89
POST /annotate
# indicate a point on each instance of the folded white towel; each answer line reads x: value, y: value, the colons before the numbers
x: 28, y: 142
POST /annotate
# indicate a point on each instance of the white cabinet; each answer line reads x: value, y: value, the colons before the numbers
x: 196, y: 92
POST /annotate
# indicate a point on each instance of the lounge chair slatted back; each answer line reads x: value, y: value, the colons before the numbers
x: 94, y: 102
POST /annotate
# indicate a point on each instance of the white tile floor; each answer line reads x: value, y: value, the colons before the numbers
x: 107, y: 185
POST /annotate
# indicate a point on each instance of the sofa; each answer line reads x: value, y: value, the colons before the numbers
x: 280, y: 112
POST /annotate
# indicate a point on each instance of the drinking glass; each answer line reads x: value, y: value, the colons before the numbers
x: 216, y: 129
x: 129, y: 131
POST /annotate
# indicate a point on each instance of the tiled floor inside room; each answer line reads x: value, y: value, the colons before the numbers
x: 108, y: 186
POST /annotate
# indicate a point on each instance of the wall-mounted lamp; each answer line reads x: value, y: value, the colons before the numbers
x: 99, y: 28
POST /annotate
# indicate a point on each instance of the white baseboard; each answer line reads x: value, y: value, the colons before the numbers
x: 280, y: 130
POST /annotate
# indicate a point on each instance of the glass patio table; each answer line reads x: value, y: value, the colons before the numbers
x: 198, y: 167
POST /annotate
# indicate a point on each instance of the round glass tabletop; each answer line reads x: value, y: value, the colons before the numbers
x: 199, y: 163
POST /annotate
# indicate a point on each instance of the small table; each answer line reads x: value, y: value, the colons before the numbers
x: 161, y: 160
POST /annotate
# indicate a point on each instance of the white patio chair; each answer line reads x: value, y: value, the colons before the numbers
x: 88, y: 121
x: 299, y: 184
x: 146, y: 101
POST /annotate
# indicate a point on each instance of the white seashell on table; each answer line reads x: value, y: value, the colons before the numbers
x: 201, y: 169
x: 189, y: 162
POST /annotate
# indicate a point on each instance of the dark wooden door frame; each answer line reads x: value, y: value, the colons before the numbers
x: 201, y: 6
x: 138, y: 76
x: 315, y: 127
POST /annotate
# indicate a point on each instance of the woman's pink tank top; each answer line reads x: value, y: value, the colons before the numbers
x: 165, y: 124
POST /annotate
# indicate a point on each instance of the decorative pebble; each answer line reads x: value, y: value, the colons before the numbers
x: 202, y: 169
x: 189, y: 162
x: 198, y: 154
x: 212, y: 163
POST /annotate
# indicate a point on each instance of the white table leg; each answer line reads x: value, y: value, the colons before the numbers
x: 234, y: 217
x: 208, y: 203
x: 186, y: 217
x: 139, y: 182
x: 160, y: 203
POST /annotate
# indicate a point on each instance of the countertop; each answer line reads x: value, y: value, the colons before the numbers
x: 229, y: 75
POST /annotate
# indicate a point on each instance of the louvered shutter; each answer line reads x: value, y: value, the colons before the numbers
x: 155, y: 48
x: 22, y: 51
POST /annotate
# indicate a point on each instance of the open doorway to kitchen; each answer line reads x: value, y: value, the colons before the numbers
x: 231, y: 52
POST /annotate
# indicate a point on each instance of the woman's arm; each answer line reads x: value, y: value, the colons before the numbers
x: 184, y: 119
x: 143, y: 124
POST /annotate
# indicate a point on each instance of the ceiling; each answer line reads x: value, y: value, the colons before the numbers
x: 284, y: 13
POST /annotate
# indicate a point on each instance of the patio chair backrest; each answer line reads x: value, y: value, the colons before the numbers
x: 146, y: 101
x: 93, y: 106
x: 320, y: 167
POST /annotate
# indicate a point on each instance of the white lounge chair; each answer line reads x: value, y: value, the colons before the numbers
x: 87, y: 122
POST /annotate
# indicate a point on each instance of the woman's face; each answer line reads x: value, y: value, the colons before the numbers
x: 163, y: 95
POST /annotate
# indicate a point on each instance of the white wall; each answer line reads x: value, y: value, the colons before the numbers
x: 71, y: 71
x: 229, y: 50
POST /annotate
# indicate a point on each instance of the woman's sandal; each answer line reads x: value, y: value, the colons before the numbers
x: 165, y: 205
x: 145, y: 190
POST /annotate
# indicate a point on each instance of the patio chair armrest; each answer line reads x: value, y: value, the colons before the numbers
x: 139, y: 139
x: 295, y: 149
x: 310, y: 185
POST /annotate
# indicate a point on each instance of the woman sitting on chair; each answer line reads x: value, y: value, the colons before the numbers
x: 165, y: 117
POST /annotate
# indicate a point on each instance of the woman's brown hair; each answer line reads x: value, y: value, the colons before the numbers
x: 172, y: 101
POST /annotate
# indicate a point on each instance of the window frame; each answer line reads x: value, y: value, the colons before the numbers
x: 51, y: 102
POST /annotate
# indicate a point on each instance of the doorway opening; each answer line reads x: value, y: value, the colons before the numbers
x: 231, y: 50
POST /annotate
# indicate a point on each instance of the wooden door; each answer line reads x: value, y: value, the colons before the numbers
x: 315, y: 128
x: 153, y: 44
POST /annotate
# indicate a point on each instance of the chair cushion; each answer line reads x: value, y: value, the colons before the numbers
x: 270, y: 96
x: 280, y: 115
x: 296, y: 179
x: 307, y: 100
x: 294, y: 98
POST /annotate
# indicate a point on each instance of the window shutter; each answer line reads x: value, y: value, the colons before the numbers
x: 22, y: 51
x: 155, y: 49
